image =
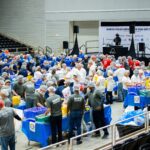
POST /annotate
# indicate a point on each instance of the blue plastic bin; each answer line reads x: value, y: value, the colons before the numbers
x: 38, y: 132
x: 33, y: 112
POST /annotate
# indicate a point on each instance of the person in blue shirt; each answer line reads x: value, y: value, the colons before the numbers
x: 81, y: 54
x: 23, y: 71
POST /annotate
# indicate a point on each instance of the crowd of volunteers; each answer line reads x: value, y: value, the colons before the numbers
x: 72, y: 81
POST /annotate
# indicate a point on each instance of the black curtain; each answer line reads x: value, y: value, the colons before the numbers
x: 76, y: 47
x: 132, y: 49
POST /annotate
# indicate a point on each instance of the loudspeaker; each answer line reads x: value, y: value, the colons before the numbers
x: 65, y: 44
x: 142, y: 47
x: 132, y: 29
x: 75, y: 29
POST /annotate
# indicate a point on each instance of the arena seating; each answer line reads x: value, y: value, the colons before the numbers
x: 12, y: 45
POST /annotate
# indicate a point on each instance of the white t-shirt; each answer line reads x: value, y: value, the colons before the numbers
x: 101, y: 83
x: 92, y: 69
x: 124, y: 81
x: 37, y: 75
x: 82, y: 73
x: 119, y: 73
x: 110, y: 83
x: 135, y: 79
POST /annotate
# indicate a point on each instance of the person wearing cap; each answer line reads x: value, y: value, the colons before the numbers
x: 54, y: 105
x: 95, y: 100
x: 40, y: 96
x: 7, y: 127
x: 18, y: 88
x: 76, y: 108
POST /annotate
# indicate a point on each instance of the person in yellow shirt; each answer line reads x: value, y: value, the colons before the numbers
x: 147, y: 82
x: 29, y: 77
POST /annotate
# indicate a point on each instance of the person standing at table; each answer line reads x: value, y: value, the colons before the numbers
x: 54, y: 104
x: 18, y: 89
x: 7, y: 127
x: 76, y: 108
x: 29, y: 94
x: 40, y: 100
x: 96, y: 100
x: 126, y: 81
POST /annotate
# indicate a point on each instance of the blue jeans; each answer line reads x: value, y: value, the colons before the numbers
x: 75, y: 121
x: 120, y: 92
x: 125, y: 92
x: 8, y: 141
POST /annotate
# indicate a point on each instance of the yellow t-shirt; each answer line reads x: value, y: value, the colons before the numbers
x: 147, y: 83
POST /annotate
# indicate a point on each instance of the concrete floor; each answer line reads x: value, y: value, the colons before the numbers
x: 89, y: 142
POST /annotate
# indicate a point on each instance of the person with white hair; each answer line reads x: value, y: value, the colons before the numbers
x: 141, y: 76
x: 100, y: 83
x: 4, y: 95
x: 126, y: 81
x: 82, y: 71
x: 54, y: 105
x: 91, y: 67
x: 135, y: 77
x: 110, y: 84
x: 8, y: 87
x: 40, y: 96
x: 119, y: 73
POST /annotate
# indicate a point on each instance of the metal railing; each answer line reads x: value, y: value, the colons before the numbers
x: 16, y: 50
x: 48, y: 49
x: 88, y: 46
x: 104, y: 144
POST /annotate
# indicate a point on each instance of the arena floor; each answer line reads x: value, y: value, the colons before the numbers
x: 88, y: 142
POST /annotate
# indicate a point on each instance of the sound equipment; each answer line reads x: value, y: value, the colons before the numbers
x: 132, y: 29
x: 65, y: 44
x: 142, y: 47
x: 75, y: 29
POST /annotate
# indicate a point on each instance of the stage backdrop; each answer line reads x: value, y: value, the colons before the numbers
x: 107, y: 32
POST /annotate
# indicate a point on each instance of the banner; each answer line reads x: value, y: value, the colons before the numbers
x: 108, y: 33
